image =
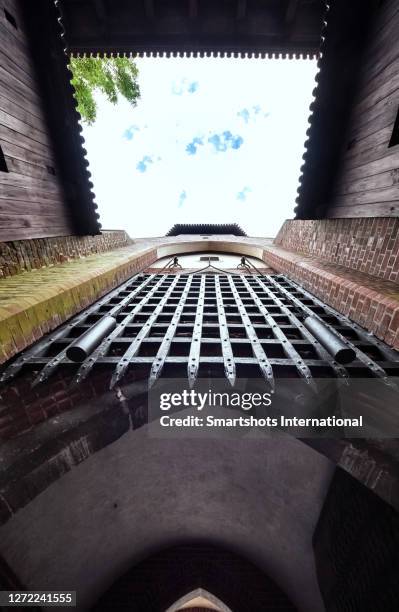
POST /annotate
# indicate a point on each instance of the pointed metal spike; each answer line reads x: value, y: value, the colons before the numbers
x: 257, y: 348
x: 232, y: 379
x: 195, y: 347
x: 377, y: 370
x: 145, y: 330
x: 288, y: 347
x: 227, y: 351
x: 63, y: 331
x: 89, y: 363
x: 164, y: 348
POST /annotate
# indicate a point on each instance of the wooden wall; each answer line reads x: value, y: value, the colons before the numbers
x: 367, y: 184
x: 32, y: 200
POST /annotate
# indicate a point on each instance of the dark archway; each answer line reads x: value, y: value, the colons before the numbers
x: 157, y: 582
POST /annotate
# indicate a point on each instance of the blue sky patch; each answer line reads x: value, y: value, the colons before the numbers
x: 225, y: 140
x: 143, y: 164
x: 244, y: 114
x: 192, y: 88
x: 184, y: 86
x: 249, y: 114
x: 242, y: 195
x: 182, y: 198
x: 130, y: 131
x: 192, y: 146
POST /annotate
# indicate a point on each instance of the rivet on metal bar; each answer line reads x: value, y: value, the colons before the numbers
x: 55, y: 361
x: 322, y: 352
x: 287, y: 346
x: 374, y: 367
x: 83, y: 346
x: 46, y: 342
x: 124, y: 361
x: 341, y: 352
x: 195, y: 348
x: 102, y: 349
x: 264, y: 363
x: 227, y: 351
x: 166, y: 343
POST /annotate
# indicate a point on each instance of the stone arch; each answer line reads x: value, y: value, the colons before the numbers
x: 199, y: 598
x: 237, y: 247
x: 245, y: 496
x: 169, y: 578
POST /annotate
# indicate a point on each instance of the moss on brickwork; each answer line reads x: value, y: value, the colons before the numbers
x: 25, y: 255
x: 37, y: 302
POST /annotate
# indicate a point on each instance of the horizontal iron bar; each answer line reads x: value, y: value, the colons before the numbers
x: 52, y: 366
x: 47, y: 341
x: 376, y: 369
x: 219, y: 359
x: 204, y: 340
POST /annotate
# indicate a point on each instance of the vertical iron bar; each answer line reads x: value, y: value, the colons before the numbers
x: 390, y: 354
x: 227, y: 351
x: 164, y: 348
x: 259, y: 353
x: 322, y: 352
x: 124, y: 361
x: 377, y: 370
x: 287, y: 346
x: 53, y: 364
x: 101, y: 350
x: 43, y: 344
x: 195, y: 347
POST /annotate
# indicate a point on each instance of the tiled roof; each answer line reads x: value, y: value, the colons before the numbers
x: 206, y: 228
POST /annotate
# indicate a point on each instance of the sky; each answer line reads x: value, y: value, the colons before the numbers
x: 211, y: 140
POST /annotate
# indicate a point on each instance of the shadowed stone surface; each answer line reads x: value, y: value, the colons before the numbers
x: 261, y: 498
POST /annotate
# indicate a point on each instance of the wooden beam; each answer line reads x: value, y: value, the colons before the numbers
x: 149, y: 9
x: 100, y: 9
x: 193, y: 9
x: 291, y: 11
x: 241, y: 9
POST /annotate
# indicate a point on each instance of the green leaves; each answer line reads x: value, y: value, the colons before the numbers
x: 113, y: 76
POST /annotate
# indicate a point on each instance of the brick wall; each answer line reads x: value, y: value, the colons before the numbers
x: 351, y: 264
x: 48, y: 430
x: 24, y: 255
x: 37, y: 302
x: 356, y: 543
x: 23, y: 407
x: 369, y: 245
x: 373, y: 303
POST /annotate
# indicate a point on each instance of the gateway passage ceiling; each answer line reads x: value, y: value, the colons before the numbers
x: 266, y: 26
